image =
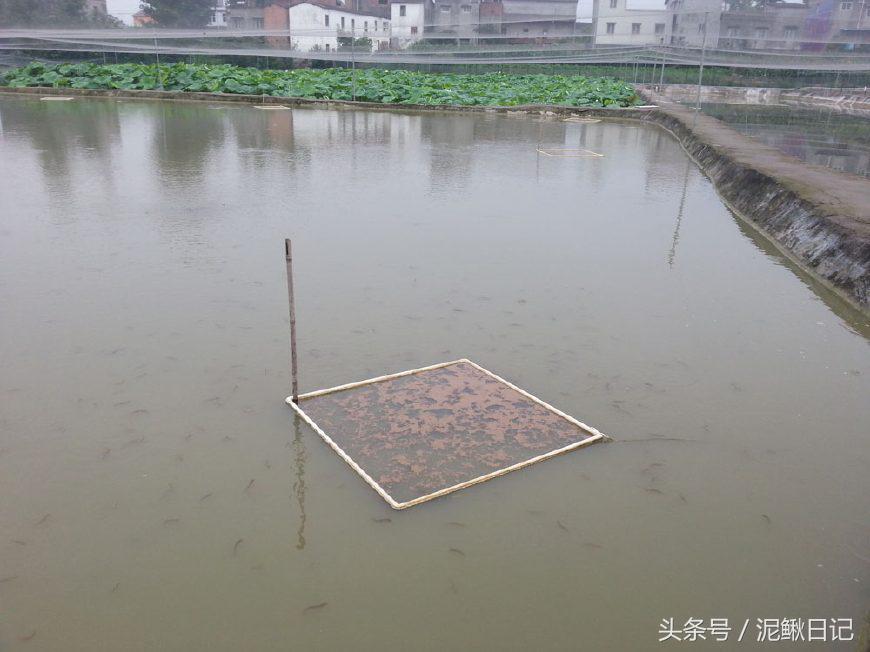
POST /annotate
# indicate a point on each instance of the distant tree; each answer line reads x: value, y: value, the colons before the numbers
x: 42, y: 13
x: 179, y: 13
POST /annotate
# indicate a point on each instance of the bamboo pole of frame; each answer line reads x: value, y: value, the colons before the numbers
x: 294, y: 374
x: 594, y: 435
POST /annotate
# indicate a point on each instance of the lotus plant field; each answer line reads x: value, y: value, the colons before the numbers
x: 367, y: 85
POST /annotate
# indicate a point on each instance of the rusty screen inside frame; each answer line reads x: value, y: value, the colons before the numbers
x: 439, y: 429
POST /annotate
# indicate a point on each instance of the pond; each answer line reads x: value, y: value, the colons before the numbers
x: 834, y: 139
x: 159, y: 494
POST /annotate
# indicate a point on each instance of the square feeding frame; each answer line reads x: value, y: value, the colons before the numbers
x: 568, y: 152
x: 423, y: 433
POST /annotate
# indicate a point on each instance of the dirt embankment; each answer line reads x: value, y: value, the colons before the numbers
x: 818, y: 217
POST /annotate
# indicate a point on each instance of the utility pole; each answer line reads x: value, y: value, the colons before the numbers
x: 701, y: 63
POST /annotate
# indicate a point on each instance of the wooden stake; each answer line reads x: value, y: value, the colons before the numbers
x: 293, y: 371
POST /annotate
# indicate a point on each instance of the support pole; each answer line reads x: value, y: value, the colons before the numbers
x: 294, y: 375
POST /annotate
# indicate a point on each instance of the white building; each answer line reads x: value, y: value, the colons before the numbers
x: 408, y: 21
x: 218, y: 16
x: 617, y: 22
x: 317, y: 28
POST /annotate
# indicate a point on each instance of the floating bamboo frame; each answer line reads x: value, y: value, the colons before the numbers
x: 593, y: 434
x: 57, y: 98
x: 569, y: 152
x: 272, y: 107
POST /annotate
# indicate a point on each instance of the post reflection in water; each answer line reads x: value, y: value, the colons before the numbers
x: 299, y: 455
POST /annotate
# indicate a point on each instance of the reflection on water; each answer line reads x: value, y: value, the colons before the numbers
x: 825, y: 137
x: 158, y: 494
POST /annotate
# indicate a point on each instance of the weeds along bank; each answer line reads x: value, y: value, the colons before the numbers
x: 369, y: 85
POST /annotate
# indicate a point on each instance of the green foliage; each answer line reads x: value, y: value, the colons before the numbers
x: 44, y: 13
x: 371, y: 85
x: 178, y: 13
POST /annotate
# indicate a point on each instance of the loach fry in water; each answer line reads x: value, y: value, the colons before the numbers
x: 314, y: 607
x: 205, y: 496
x: 236, y: 546
x: 43, y: 519
x: 250, y: 484
x: 562, y: 526
x: 28, y: 637
x: 457, y: 551
x: 9, y: 578
x: 382, y: 520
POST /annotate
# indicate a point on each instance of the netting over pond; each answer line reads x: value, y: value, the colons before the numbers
x: 424, y: 433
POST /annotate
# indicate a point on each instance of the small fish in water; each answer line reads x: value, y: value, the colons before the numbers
x: 106, y: 453
x: 766, y: 518
x: 453, y: 588
x: 456, y: 524
x: 19, y: 542
x: 682, y: 497
x: 115, y: 588
x: 382, y: 520
x: 28, y: 637
x: 250, y: 484
x: 267, y: 464
x: 562, y: 526
x: 236, y: 546
x: 314, y: 607
x: 591, y: 546
x: 169, y: 490
x: 3, y: 580
x: 43, y: 519
x: 171, y: 521
x: 139, y: 412
x: 457, y: 551
x: 653, y: 490
x: 206, y: 496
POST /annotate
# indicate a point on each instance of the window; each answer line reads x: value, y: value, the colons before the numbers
x: 466, y: 9
x: 257, y: 22
x: 342, y: 22
x: 790, y: 32
x: 413, y: 29
x: 376, y: 26
x: 387, y: 26
x: 237, y: 22
x: 353, y: 24
x: 382, y: 2
x: 445, y: 9
x: 613, y: 4
x: 760, y: 32
x: 660, y: 28
x: 845, y: 6
x: 326, y: 20
x: 401, y: 10
x: 365, y: 25
x: 327, y: 47
x: 635, y: 28
x: 732, y: 32
x: 611, y: 28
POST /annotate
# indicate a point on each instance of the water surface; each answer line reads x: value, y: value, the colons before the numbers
x: 159, y: 494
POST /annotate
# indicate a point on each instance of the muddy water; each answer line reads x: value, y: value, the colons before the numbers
x: 158, y: 494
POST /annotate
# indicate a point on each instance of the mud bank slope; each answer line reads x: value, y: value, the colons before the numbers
x: 818, y: 217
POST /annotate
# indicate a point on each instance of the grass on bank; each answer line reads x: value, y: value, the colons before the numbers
x: 369, y: 85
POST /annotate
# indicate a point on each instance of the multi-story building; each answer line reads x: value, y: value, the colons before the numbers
x: 315, y: 27
x: 616, y: 22
x: 408, y: 21
x: 218, y: 17
x: 693, y: 23
x: 539, y: 18
x: 779, y: 26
